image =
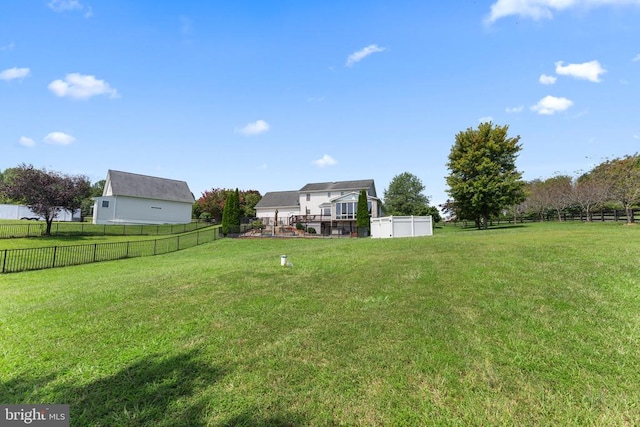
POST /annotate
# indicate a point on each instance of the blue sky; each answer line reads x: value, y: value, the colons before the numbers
x: 272, y: 95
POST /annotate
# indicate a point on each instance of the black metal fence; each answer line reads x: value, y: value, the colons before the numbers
x: 37, y: 228
x: 15, y: 260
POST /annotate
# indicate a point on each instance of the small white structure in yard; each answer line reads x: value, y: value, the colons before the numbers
x: 401, y: 226
x: 21, y: 211
x: 129, y: 198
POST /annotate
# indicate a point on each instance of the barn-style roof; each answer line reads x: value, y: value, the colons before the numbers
x: 148, y: 187
x: 363, y: 184
x: 276, y: 199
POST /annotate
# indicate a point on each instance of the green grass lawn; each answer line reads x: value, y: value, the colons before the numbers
x: 527, y: 325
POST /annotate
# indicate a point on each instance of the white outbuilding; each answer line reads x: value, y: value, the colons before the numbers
x: 401, y: 226
x: 129, y: 198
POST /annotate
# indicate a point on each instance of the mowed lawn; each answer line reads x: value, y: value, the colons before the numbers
x: 529, y: 325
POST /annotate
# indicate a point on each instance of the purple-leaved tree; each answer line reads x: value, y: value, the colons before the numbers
x: 45, y: 192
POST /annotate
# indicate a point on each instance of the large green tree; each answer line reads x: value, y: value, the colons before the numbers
x: 45, y: 192
x: 405, y: 196
x: 483, y: 178
x: 232, y: 213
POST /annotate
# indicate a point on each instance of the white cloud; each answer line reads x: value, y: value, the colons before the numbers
x: 587, y: 70
x: 9, y: 46
x: 547, y: 80
x: 80, y: 86
x: 517, y: 109
x: 358, y: 56
x: 326, y: 160
x: 543, y: 9
x: 636, y: 58
x: 255, y: 128
x: 26, y: 142
x: 64, y: 5
x: 14, y: 73
x: 59, y: 138
x: 485, y: 119
x: 636, y: 136
x: 551, y: 105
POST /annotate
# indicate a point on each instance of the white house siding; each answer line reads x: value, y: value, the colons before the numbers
x: 312, y: 207
x: 133, y: 210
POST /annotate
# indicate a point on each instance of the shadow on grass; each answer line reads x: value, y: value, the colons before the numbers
x: 154, y: 391
x: 493, y: 227
x: 250, y: 419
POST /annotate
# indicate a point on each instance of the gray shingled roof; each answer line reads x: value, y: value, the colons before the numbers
x: 363, y: 184
x: 148, y: 187
x: 276, y: 199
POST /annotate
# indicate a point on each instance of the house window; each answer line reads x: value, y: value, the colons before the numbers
x: 105, y: 203
x: 329, y: 194
x: 308, y: 197
x: 346, y: 210
x: 326, y: 211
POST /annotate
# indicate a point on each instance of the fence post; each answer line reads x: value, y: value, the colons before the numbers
x: 178, y: 242
x: 155, y: 245
x: 197, y: 238
x: 128, y: 248
x: 55, y: 250
x: 95, y: 251
x: 4, y: 260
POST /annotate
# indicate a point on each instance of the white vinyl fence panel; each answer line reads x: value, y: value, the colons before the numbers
x: 401, y: 226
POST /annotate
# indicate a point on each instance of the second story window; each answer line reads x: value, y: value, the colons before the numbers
x: 308, y: 197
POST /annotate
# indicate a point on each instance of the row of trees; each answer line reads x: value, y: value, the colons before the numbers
x: 611, y: 184
x: 211, y: 204
x: 484, y: 181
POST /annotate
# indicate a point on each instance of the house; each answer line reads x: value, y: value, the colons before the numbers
x: 129, y: 198
x: 283, y: 204
x: 328, y: 207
